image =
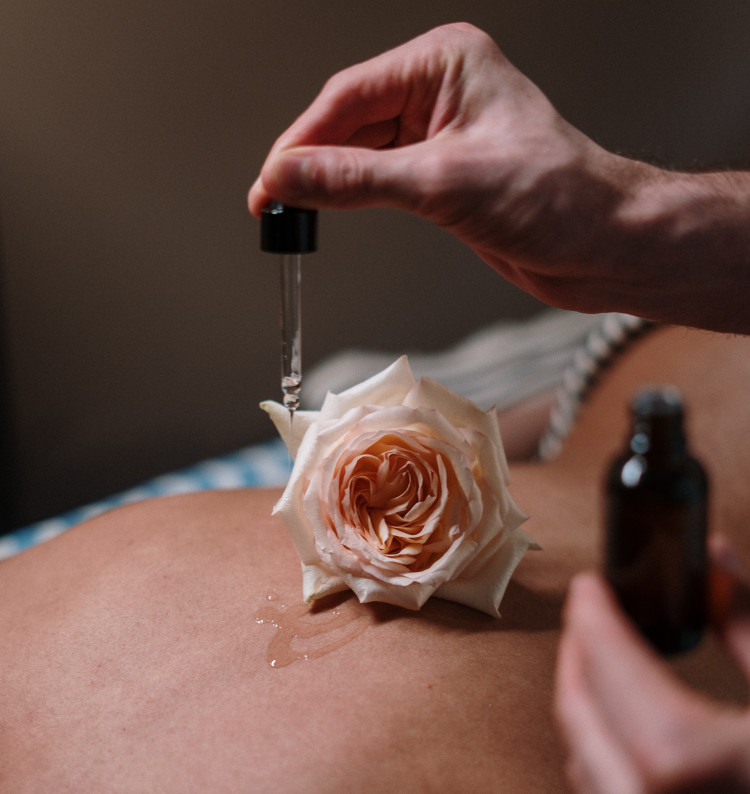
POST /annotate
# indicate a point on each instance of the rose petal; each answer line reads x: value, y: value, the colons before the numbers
x: 318, y: 582
x: 412, y: 596
x: 484, y: 590
x: 292, y: 431
x: 297, y: 522
x: 460, y: 412
x: 399, y: 491
x: 384, y: 389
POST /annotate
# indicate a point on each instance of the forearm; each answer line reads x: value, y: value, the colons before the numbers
x: 680, y: 248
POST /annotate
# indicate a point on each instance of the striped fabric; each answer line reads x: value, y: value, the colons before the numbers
x: 497, y: 366
x: 601, y: 347
x: 262, y: 465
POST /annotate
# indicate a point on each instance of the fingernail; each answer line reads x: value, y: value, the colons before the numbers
x: 292, y: 175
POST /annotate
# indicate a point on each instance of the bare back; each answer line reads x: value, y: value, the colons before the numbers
x: 163, y: 647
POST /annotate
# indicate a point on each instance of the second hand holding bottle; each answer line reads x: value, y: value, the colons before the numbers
x: 657, y: 515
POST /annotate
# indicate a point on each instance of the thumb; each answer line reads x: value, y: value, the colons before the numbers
x: 339, y: 177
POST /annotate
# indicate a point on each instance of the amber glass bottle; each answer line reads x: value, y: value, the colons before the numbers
x: 656, y: 516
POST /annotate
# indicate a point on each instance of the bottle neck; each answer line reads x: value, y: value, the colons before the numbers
x: 659, y: 437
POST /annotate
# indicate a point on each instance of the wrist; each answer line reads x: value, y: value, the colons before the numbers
x: 679, y: 245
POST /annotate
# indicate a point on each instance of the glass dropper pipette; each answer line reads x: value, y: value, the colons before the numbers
x: 290, y: 232
x: 291, y: 330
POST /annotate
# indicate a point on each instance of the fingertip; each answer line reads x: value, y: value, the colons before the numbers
x: 583, y: 589
x: 287, y: 176
x: 591, y: 610
x: 586, y: 581
x: 257, y: 197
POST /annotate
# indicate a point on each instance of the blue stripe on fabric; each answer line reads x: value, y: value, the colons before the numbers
x: 260, y: 466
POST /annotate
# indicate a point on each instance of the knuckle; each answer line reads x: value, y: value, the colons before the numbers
x: 351, y: 175
x: 342, y: 177
x: 463, y: 30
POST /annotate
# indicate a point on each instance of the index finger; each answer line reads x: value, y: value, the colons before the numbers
x: 360, y: 107
x: 636, y: 694
x: 367, y: 94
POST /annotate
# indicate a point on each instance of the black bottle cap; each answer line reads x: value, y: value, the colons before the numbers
x: 288, y: 230
x: 658, y: 401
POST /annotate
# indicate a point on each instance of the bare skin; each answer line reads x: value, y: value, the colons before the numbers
x: 136, y: 650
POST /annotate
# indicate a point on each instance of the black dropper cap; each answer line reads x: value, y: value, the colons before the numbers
x: 658, y: 421
x: 288, y: 230
x: 658, y: 401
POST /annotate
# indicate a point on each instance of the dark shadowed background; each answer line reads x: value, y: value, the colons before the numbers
x: 140, y: 320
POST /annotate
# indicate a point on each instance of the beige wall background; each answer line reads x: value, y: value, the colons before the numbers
x: 140, y: 318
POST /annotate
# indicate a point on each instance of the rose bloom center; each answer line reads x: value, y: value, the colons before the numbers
x: 400, y: 501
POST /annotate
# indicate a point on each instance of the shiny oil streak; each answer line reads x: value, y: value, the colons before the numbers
x: 302, y: 633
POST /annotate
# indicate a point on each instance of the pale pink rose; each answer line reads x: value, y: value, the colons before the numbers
x: 399, y: 491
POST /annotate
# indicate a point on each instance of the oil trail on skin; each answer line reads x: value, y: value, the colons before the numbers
x: 302, y: 634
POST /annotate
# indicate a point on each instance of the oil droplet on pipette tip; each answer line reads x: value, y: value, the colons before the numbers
x: 291, y: 386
